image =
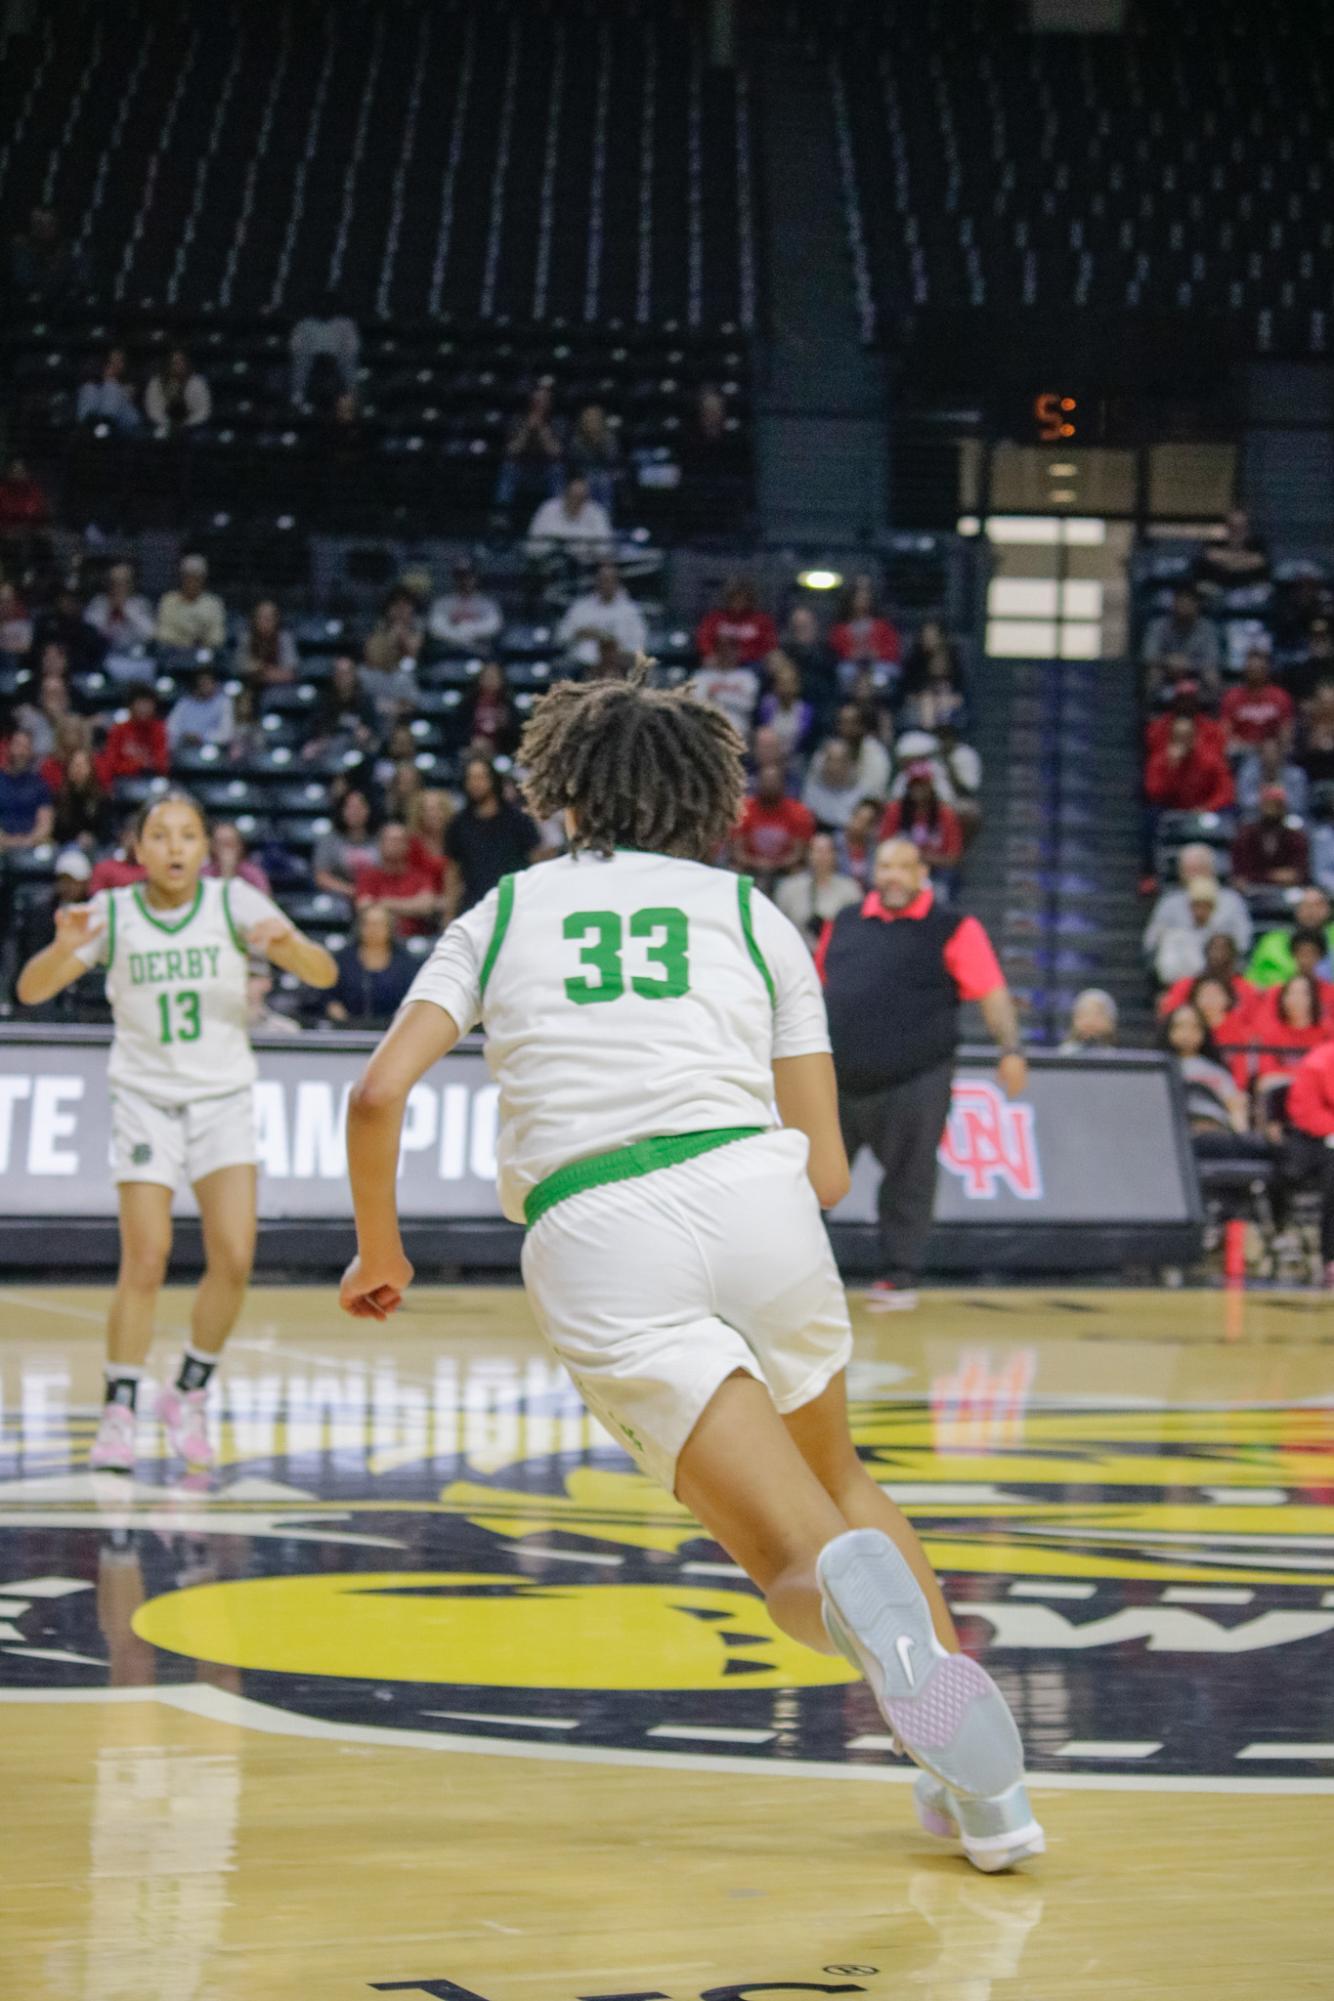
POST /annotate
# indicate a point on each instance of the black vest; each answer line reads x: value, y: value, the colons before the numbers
x: 893, y: 1005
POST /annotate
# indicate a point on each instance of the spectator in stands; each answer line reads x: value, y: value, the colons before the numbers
x: 774, y: 831
x: 1320, y: 831
x: 43, y: 263
x: 107, y: 397
x: 725, y: 683
x: 191, y: 617
x: 833, y: 790
x: 1302, y: 677
x: 1315, y: 744
x: 1268, y: 764
x: 1240, y: 558
x: 1171, y: 912
x: 1269, y: 852
x: 15, y: 626
x: 326, y: 334
x: 1257, y: 709
x: 266, y: 653
x: 711, y: 448
x: 737, y: 618
x: 1187, y: 699
x: 784, y: 709
x: 922, y: 817
x: 72, y: 872
x: 1285, y: 1026
x: 123, y: 621
x: 572, y: 521
x: 490, y: 720
x: 593, y: 453
x: 1093, y: 1024
x: 861, y: 636
x: 137, y: 746
x: 1272, y: 961
x: 261, y: 1018
x: 1310, y: 955
x: 1181, y: 641
x: 858, y: 841
x: 428, y: 825
x: 344, y: 718
x: 41, y: 718
x: 397, y: 773
x: 228, y: 856
x: 932, y: 688
x: 374, y: 973
x: 532, y: 466
x: 396, y: 637
x: 177, y: 397
x: 120, y: 868
x: 606, y: 612
x: 1302, y: 600
x: 1222, y: 960
x: 202, y: 716
x: 817, y: 663
x: 349, y: 845
x: 25, y: 516
x: 61, y: 624
x: 490, y: 837
x: 465, y: 619
x: 1308, y: 1148
x: 1229, y: 1016
x: 1185, y: 776
x: 855, y: 726
x: 27, y: 811
x: 83, y: 813
x: 1180, y: 945
x: 813, y: 896
x: 407, y: 892
x: 1214, y: 1102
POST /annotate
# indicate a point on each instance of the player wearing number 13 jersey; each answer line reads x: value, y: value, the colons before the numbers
x: 175, y: 948
x: 668, y: 1132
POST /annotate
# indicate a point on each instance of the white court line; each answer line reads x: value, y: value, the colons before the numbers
x: 1093, y: 1747
x: 1210, y: 1594
x: 57, y: 1654
x: 47, y: 1587
x: 217, y: 1705
x: 516, y: 1722
x: 522, y: 1548
x: 714, y: 1569
x: 1040, y: 1587
x: 1300, y: 1751
x: 708, y: 1734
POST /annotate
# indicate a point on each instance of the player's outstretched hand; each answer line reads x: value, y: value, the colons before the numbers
x: 268, y: 932
x: 74, y: 925
x: 374, y: 1290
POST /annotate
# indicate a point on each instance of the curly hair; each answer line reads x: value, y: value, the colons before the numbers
x: 639, y: 767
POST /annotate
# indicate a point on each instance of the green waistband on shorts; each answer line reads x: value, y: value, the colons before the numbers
x: 623, y: 1163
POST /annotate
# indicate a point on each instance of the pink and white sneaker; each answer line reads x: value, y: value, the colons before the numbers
x: 886, y: 1297
x: 112, y: 1451
x: 181, y: 1414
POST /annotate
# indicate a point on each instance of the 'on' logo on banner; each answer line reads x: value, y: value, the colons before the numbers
x: 988, y: 1141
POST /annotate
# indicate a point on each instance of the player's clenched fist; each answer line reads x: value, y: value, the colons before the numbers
x: 373, y: 1288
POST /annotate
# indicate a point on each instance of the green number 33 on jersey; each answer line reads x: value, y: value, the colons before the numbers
x: 664, y: 953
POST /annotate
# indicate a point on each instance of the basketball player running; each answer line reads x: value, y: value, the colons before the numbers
x: 182, y: 1072
x: 644, y: 1012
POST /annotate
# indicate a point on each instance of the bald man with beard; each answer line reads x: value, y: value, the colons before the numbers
x: 897, y: 966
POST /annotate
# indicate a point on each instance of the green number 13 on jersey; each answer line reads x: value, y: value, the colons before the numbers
x: 660, y: 944
x: 178, y: 1017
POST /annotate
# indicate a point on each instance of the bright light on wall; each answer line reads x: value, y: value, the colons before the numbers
x: 819, y: 580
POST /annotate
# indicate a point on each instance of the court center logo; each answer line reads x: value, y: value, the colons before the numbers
x: 1154, y: 1590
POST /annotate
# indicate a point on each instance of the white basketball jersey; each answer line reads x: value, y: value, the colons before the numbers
x: 625, y: 998
x: 176, y: 982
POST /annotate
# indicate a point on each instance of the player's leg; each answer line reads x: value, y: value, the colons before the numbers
x: 819, y: 1430
x: 227, y: 1209
x: 145, y: 1246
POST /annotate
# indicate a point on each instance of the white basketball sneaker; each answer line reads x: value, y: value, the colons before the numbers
x: 112, y: 1451
x: 943, y: 1709
x: 994, y: 1834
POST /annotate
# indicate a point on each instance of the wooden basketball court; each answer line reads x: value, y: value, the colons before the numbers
x: 427, y: 1690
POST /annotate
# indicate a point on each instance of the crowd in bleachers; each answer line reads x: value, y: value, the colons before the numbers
x: 364, y: 772
x: 1239, y: 789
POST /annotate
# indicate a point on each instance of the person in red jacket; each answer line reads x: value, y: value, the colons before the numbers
x: 1257, y: 708
x: 1286, y: 1023
x: 861, y: 635
x: 1222, y: 959
x: 1185, y: 776
x: 1188, y: 700
x: 1269, y: 851
x: 923, y: 818
x: 1308, y: 1150
x: 137, y: 747
x: 774, y: 831
x: 738, y: 618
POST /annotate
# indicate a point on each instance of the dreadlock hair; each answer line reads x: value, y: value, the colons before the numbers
x: 639, y: 767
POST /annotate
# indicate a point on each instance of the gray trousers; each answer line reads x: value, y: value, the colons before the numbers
x: 902, y: 1125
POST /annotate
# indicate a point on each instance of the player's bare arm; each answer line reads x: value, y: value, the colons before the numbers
x: 290, y: 949
x: 378, y: 1276
x: 57, y: 965
x: 807, y: 1098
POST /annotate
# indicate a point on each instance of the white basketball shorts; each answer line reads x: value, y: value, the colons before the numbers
x: 174, y: 1144
x: 654, y: 1290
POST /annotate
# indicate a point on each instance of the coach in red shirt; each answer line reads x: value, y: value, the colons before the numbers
x: 896, y: 969
x: 1308, y: 1151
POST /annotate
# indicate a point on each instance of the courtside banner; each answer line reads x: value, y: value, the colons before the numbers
x: 1095, y: 1141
